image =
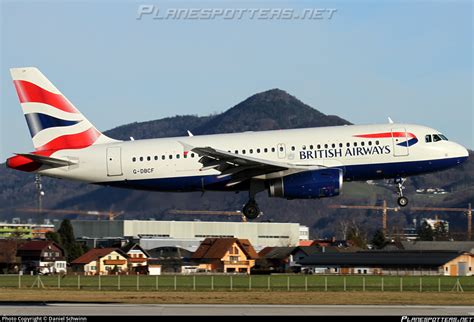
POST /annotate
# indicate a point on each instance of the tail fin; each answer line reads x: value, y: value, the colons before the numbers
x: 54, y: 122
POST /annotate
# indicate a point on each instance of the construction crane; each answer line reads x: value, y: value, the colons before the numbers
x: 467, y: 211
x: 111, y: 215
x: 208, y: 212
x: 384, y: 209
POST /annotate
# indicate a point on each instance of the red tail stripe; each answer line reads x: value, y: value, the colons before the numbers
x: 22, y: 163
x: 386, y: 135
x: 71, y: 141
x: 32, y: 93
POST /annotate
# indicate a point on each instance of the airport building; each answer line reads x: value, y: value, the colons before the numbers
x: 188, y: 234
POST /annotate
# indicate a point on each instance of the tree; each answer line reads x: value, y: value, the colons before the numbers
x: 440, y: 231
x: 53, y: 236
x: 425, y: 232
x: 72, y: 248
x: 355, y: 235
x: 379, y: 241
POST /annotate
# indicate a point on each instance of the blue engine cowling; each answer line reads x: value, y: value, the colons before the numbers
x: 307, y: 185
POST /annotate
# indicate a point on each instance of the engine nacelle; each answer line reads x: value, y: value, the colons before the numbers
x: 307, y: 185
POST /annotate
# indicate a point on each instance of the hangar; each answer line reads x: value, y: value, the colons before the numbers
x: 189, y: 234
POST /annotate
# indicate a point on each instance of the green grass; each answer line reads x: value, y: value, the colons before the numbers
x: 244, y: 283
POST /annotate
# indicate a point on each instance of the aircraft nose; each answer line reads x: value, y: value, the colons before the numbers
x: 461, y: 152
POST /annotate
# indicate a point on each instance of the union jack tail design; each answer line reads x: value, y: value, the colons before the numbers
x: 54, y: 122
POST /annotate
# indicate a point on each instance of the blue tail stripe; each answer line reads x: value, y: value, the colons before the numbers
x: 38, y: 122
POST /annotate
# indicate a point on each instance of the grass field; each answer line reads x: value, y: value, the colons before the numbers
x: 293, y: 283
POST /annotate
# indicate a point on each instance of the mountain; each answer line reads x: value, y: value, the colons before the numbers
x: 272, y: 109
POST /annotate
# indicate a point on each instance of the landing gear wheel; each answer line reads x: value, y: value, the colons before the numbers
x: 251, y: 210
x: 402, y: 201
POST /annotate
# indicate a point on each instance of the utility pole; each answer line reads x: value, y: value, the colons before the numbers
x: 39, y: 194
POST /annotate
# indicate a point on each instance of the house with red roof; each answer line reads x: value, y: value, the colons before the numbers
x: 137, y: 258
x: 101, y: 261
x: 42, y: 257
x: 226, y: 255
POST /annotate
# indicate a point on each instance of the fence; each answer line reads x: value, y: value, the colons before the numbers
x: 242, y: 283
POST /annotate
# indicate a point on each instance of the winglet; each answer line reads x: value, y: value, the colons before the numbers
x: 189, y: 133
x: 390, y: 120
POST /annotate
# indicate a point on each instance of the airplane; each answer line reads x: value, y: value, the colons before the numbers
x: 308, y: 163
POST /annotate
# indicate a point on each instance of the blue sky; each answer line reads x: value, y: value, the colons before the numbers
x: 410, y: 60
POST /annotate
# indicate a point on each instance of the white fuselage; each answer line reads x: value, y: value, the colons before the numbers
x: 164, y: 165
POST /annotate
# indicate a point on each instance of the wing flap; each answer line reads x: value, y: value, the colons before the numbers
x: 241, y: 167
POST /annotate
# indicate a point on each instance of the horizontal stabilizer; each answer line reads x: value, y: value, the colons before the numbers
x: 54, y: 162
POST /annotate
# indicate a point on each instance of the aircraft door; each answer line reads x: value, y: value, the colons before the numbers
x: 114, y: 161
x: 281, y: 150
x: 400, y: 142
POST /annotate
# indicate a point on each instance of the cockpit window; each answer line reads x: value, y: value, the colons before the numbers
x: 435, y: 138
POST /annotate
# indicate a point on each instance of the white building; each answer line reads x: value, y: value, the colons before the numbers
x: 188, y: 234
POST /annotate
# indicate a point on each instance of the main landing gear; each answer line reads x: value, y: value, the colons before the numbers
x: 402, y: 201
x: 251, y: 209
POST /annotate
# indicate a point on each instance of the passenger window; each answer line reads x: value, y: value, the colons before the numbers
x: 370, y: 142
x: 251, y: 151
x: 428, y: 138
x: 134, y: 159
x: 325, y: 146
x: 236, y: 151
x: 243, y: 151
x: 377, y: 142
x: 304, y: 147
x: 141, y: 158
x: 333, y: 145
x: 265, y: 150
x: 177, y: 156
x: 355, y: 143
x: 171, y: 157
x: 340, y: 145
x: 319, y: 146
x: 258, y: 150
x: 273, y: 149
x: 311, y: 147
x: 192, y: 155
x: 156, y: 158
x: 163, y: 157
x: 362, y: 143
x: 292, y: 148
x: 185, y: 155
x: 281, y: 149
x: 348, y: 144
x: 148, y: 158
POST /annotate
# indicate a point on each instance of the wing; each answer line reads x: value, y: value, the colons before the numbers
x: 242, y: 167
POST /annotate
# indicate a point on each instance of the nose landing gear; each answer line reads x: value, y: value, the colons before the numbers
x: 402, y: 201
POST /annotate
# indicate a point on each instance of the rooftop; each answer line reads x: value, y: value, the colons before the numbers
x: 381, y: 258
